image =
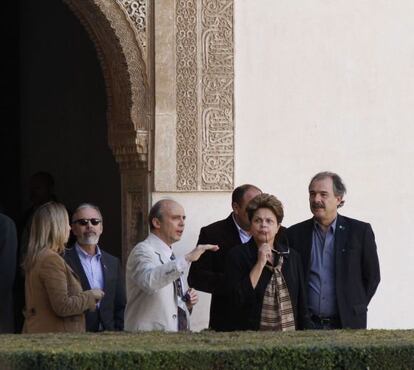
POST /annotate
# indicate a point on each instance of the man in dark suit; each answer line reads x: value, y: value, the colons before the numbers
x: 207, y: 274
x: 97, y: 269
x: 8, y: 256
x: 339, y: 257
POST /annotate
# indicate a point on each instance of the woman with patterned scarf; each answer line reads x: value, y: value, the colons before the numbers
x: 264, y: 276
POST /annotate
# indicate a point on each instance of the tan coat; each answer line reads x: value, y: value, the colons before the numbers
x: 55, y: 301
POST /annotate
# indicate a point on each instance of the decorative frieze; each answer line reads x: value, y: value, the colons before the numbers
x: 136, y: 11
x: 217, y: 161
x: 205, y: 78
x: 186, y: 90
x: 137, y: 220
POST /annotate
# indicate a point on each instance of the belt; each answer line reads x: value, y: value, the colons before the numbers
x: 325, y: 320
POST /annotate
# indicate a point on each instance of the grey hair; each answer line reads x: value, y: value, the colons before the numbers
x: 339, y: 187
x: 87, y: 205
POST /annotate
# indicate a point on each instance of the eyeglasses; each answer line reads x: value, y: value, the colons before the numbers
x: 281, y: 253
x: 85, y: 221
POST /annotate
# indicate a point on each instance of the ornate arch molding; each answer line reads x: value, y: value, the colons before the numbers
x: 119, y: 30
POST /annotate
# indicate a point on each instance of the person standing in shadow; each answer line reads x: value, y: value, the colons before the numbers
x: 8, y: 256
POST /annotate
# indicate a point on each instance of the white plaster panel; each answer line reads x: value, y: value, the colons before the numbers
x: 165, y: 101
x: 165, y: 152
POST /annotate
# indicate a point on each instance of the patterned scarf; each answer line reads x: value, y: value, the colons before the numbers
x: 277, y: 312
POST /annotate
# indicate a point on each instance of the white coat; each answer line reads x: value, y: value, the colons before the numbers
x: 152, y: 303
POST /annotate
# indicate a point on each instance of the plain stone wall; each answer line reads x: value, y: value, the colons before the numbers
x: 326, y: 86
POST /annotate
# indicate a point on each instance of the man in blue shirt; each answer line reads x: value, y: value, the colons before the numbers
x: 339, y: 257
x: 97, y: 269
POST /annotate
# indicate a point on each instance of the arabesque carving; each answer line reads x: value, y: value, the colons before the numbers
x: 136, y: 11
x: 205, y: 79
x: 135, y: 209
x: 217, y: 164
x: 187, y: 104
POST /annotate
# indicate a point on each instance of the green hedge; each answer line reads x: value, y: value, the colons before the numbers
x: 338, y: 349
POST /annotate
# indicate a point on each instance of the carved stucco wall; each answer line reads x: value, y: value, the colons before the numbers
x: 194, y: 137
x: 193, y: 95
x: 200, y: 86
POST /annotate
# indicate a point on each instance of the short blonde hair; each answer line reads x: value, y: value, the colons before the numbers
x: 49, y: 229
x: 265, y: 201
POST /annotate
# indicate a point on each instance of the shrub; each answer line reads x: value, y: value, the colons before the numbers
x: 337, y: 349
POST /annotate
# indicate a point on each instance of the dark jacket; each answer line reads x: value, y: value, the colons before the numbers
x: 357, y: 270
x: 8, y: 256
x: 246, y: 301
x: 111, y: 309
x: 208, y: 273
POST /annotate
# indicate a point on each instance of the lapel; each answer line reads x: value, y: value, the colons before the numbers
x: 105, y: 270
x: 341, y: 236
x: 76, y: 265
x: 251, y: 250
x: 159, y: 248
x: 307, y: 244
x: 233, y: 231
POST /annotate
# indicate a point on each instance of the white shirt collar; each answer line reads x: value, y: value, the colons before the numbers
x: 244, y: 235
x: 164, y: 247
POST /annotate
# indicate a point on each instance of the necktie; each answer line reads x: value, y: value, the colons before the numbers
x: 181, y: 314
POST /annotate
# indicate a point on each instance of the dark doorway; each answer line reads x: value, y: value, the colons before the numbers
x: 63, y: 128
x: 9, y: 113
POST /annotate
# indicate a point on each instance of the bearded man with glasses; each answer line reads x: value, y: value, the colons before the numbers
x: 97, y: 269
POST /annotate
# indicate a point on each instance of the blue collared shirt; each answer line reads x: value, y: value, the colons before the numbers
x: 321, y: 287
x: 92, y: 267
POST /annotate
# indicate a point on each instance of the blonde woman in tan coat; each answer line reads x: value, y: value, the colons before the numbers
x: 55, y: 301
